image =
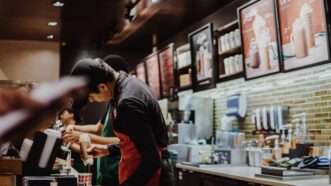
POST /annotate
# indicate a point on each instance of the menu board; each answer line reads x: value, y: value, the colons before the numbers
x: 152, y: 65
x: 202, y: 53
x: 303, y: 32
x: 166, y: 57
x: 141, y: 72
x: 259, y: 38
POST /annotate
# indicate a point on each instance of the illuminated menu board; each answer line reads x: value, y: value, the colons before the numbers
x: 153, y: 74
x: 166, y: 57
x: 141, y: 72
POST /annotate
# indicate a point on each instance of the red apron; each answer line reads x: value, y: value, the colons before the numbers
x: 130, y: 160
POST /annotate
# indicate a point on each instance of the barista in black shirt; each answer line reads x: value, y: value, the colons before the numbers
x: 138, y: 121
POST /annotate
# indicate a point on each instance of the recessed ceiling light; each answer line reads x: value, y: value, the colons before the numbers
x: 50, y: 36
x: 58, y: 3
x: 52, y: 23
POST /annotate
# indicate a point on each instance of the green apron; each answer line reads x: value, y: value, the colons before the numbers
x: 78, y: 164
x: 107, y: 167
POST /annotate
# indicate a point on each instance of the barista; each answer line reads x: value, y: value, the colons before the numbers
x: 68, y: 118
x: 138, y: 121
x: 102, y: 133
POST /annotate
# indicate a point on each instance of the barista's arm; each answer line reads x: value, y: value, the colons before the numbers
x: 95, y: 129
x: 109, y: 143
x: 104, y: 140
x: 73, y: 137
x: 75, y: 147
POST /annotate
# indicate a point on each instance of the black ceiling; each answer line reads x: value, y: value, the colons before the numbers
x: 90, y: 22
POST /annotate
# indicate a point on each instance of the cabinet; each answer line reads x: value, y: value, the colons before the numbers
x: 188, y: 178
x: 191, y: 178
x: 208, y: 180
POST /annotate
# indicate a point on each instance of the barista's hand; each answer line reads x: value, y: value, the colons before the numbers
x: 98, y: 150
x: 70, y: 128
x: 71, y: 136
x: 14, y: 99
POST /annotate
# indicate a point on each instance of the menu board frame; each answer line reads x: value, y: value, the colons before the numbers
x: 183, y: 67
x: 202, y: 42
x: 142, y: 64
x: 267, y: 49
x: 302, y: 29
x: 149, y: 60
x: 167, y: 76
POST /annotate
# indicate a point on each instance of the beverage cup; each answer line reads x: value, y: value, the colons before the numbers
x: 298, y: 39
x: 306, y: 15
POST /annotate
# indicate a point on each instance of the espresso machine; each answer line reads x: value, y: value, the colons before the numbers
x: 194, y: 128
x: 198, y: 114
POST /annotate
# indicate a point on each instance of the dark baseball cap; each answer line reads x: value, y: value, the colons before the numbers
x: 117, y: 62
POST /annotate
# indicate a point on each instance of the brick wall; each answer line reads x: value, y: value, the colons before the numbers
x: 307, y: 90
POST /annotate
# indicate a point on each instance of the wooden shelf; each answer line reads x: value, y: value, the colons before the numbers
x: 185, y: 88
x: 227, y: 28
x: 230, y: 52
x: 225, y: 77
x: 162, y: 19
x: 185, y: 68
x: 139, y: 22
x: 148, y: 18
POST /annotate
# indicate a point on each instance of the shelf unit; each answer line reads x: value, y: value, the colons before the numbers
x: 230, y: 52
x: 221, y: 56
x: 184, y: 70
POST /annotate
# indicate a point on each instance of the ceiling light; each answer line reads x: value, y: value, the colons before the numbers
x: 50, y: 37
x: 57, y: 3
x: 52, y: 23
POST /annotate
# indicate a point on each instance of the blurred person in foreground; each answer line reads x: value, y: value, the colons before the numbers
x: 22, y: 113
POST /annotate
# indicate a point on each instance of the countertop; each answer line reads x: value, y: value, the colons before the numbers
x: 247, y: 174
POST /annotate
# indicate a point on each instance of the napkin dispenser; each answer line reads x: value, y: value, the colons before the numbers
x: 237, y: 105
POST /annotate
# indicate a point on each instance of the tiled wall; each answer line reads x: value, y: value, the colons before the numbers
x: 307, y: 90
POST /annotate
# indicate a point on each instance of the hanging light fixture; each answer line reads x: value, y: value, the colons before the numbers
x: 58, y: 3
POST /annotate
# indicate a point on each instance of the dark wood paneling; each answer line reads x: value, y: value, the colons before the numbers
x: 220, y: 17
x: 28, y: 20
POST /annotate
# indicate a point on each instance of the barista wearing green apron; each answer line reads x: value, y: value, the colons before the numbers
x: 107, y: 167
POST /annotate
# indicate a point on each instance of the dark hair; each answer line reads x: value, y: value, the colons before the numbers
x: 71, y: 111
x: 117, y: 62
x: 95, y: 70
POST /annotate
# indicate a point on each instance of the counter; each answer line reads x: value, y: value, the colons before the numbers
x: 247, y: 174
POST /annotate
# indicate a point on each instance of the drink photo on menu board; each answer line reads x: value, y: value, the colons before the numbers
x: 153, y: 75
x: 184, y: 67
x: 166, y: 57
x: 303, y: 32
x: 259, y: 38
x: 141, y: 72
x: 201, y: 43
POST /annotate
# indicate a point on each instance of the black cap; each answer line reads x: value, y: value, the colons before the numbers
x: 96, y: 71
x: 117, y: 62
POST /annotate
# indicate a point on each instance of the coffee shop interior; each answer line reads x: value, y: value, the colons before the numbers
x: 242, y: 88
